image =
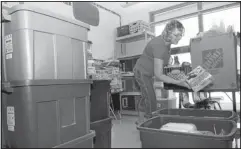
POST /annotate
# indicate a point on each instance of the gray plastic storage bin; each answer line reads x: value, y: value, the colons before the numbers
x: 214, y: 114
x: 3, y: 144
x: 85, y: 141
x: 102, y: 129
x: 43, y: 114
x: 39, y: 44
x: 152, y: 137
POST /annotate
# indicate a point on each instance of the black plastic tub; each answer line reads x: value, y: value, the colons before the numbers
x: 152, y: 137
x: 103, y: 133
x: 213, y: 114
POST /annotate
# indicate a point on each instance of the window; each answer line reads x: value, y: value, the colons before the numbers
x: 229, y: 17
x: 183, y: 57
x: 191, y: 30
x: 227, y: 102
x: 159, y: 28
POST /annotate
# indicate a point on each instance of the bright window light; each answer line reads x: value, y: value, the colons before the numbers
x: 191, y: 30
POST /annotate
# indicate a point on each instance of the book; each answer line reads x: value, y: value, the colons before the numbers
x: 199, y: 78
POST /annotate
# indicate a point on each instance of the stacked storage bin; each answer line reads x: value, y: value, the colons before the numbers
x: 219, y: 126
x: 100, y: 119
x: 45, y: 91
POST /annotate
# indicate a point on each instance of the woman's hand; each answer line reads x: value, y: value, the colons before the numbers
x: 238, y: 38
x: 183, y: 83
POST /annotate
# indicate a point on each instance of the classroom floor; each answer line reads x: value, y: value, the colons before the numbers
x: 125, y: 134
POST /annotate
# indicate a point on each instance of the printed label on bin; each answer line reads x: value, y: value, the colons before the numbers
x: 9, y: 43
x: 212, y: 59
x: 10, y: 128
x: 9, y: 56
x: 10, y: 118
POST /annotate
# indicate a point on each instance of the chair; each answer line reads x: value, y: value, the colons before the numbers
x: 201, y: 103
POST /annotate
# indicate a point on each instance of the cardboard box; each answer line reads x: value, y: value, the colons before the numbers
x: 217, y: 54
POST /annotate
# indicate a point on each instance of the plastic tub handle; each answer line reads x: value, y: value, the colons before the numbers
x: 6, y: 17
x: 235, y: 116
x: 6, y: 88
x: 237, y: 135
x: 157, y: 112
x: 94, y: 140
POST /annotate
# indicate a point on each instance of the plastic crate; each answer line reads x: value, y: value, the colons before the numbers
x: 85, y: 141
x: 45, y: 113
x: 152, y: 137
x: 212, y: 114
x: 103, y: 133
x: 138, y: 26
x: 184, y: 70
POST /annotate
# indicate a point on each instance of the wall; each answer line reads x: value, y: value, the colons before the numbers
x: 138, y: 11
x: 141, y: 10
x: 103, y: 37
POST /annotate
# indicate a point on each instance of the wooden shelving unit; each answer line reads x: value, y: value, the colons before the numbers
x: 135, y: 37
x: 145, y: 35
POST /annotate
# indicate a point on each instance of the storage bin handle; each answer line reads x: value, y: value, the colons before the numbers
x: 237, y: 135
x: 6, y: 17
x: 155, y: 113
x: 6, y: 88
x: 94, y: 139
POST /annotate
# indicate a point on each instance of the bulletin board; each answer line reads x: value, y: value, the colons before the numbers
x: 218, y: 55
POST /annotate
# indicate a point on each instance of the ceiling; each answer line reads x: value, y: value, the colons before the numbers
x: 122, y: 7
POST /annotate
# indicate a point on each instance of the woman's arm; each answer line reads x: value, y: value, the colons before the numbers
x: 158, y: 72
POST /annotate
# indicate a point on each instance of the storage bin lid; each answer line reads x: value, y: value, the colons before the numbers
x: 34, y: 9
x: 201, y: 113
x: 44, y: 83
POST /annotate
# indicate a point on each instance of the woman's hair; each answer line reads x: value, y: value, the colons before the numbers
x: 170, y: 26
